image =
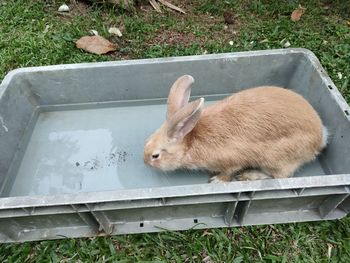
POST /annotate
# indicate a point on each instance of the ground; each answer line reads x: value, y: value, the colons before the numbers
x: 33, y: 33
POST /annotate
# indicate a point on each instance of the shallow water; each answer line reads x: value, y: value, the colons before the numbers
x: 100, y: 149
x: 93, y: 150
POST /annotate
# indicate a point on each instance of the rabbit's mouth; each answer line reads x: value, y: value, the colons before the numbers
x: 160, y: 166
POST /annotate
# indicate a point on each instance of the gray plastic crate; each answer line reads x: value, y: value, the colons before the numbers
x: 71, y: 146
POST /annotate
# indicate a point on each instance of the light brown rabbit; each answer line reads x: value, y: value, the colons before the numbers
x: 254, y: 134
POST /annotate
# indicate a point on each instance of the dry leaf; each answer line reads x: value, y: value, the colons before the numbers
x: 93, y: 32
x: 297, y: 13
x: 329, y: 252
x: 207, y: 233
x: 170, y: 5
x: 115, y: 31
x: 286, y: 44
x: 63, y: 8
x: 96, y: 45
x: 46, y: 29
x: 155, y: 5
x: 207, y: 259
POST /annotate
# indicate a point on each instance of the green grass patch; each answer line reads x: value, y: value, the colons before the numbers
x: 302, y: 242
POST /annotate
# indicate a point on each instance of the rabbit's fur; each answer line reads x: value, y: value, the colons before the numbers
x: 254, y: 134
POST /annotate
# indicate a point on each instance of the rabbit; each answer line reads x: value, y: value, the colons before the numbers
x: 258, y: 133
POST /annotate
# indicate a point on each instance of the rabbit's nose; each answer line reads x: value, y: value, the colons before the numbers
x: 147, y: 159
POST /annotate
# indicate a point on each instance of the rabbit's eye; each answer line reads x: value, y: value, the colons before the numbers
x: 155, y: 156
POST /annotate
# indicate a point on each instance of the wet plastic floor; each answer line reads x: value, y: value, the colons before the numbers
x: 98, y: 150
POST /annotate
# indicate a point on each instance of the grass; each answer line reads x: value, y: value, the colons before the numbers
x: 302, y: 242
x: 32, y: 33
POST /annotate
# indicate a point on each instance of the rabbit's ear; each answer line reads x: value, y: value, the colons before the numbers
x: 184, y: 120
x: 179, y: 94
